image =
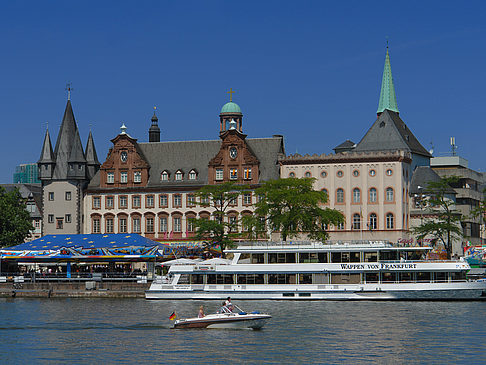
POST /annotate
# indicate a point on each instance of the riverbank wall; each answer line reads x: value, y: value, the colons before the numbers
x: 90, y: 289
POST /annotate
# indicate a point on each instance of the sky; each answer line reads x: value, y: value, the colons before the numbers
x: 308, y: 70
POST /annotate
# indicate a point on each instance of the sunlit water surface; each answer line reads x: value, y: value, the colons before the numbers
x: 79, y: 331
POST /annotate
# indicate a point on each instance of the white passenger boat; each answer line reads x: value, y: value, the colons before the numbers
x: 308, y: 270
x: 226, y: 319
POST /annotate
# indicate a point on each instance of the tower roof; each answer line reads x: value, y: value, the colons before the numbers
x: 47, y: 155
x: 91, y: 156
x: 388, y: 99
x: 77, y: 154
x: 231, y: 108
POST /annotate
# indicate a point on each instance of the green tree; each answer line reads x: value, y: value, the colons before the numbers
x: 293, y: 207
x: 479, y: 212
x: 218, y: 231
x: 15, y: 223
x: 445, y: 225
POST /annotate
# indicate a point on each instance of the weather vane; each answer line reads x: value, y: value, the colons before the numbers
x: 68, y: 89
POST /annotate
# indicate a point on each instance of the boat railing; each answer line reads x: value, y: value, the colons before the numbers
x: 313, y: 244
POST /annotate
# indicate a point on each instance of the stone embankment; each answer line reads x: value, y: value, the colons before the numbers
x: 104, y: 289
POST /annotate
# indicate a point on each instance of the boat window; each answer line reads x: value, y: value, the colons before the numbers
x: 244, y: 258
x: 305, y: 278
x: 388, y: 255
x: 312, y: 257
x: 257, y: 258
x: 405, y: 276
x: 388, y: 276
x: 354, y: 257
x: 415, y: 255
x: 336, y: 257
x: 321, y: 278
x: 281, y: 258
x: 345, y: 278
x: 220, y: 279
x: 250, y: 278
x: 440, y: 276
x: 345, y: 257
x: 281, y: 279
x: 197, y: 279
x: 370, y: 256
x: 371, y: 277
x: 461, y: 275
x: 423, y: 276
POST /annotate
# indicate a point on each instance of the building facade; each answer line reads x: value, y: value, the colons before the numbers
x: 26, y: 174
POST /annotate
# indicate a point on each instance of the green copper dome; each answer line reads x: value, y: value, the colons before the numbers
x: 231, y: 107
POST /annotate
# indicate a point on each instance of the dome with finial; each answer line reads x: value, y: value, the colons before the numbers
x: 230, y: 108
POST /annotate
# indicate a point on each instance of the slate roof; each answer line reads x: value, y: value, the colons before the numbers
x: 47, y: 155
x: 421, y: 177
x: 389, y: 132
x: 25, y: 191
x: 347, y: 145
x: 91, y: 156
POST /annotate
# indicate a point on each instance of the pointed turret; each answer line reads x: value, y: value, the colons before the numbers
x: 77, y: 160
x: 154, y: 130
x: 388, y: 99
x: 91, y: 157
x: 46, y: 161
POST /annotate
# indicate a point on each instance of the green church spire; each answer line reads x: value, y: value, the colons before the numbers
x: 388, y: 99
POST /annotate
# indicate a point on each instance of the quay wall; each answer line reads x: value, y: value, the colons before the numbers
x: 105, y: 289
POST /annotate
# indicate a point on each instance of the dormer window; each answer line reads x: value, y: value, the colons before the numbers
x: 192, y: 175
x: 179, y: 175
x: 164, y: 176
x: 137, y: 176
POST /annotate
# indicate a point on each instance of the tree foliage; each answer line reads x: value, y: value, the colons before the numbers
x: 479, y: 212
x: 218, y: 231
x: 445, y: 226
x: 15, y: 223
x: 293, y: 207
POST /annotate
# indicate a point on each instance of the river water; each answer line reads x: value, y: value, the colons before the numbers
x: 86, y: 331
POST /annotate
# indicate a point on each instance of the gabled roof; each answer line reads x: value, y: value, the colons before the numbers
x: 389, y: 132
x: 47, y: 155
x: 347, y: 145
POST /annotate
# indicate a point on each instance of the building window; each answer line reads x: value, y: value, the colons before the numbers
x: 136, y: 201
x: 96, y: 202
x: 123, y: 201
x: 190, y: 224
x: 178, y: 176
x: 247, y: 199
x: 389, y: 194
x: 340, y: 226
x: 110, y: 202
x: 292, y: 174
x: 356, y: 195
x: 109, y: 225
x: 192, y: 175
x: 96, y: 225
x: 323, y: 174
x: 137, y: 176
x: 150, y: 224
x: 340, y: 173
x: 355, y: 173
x: 233, y: 226
x: 136, y: 225
x: 327, y: 195
x: 123, y: 225
x: 68, y: 218
x: 308, y: 174
x: 372, y: 172
x: 59, y: 223
x: 340, y: 196
x: 123, y: 177
x: 191, y: 200
x: 373, y: 195
x: 219, y: 174
x: 205, y: 200
x: 177, y: 224
x: 110, y: 177
x: 247, y: 173
x: 389, y: 172
x: 51, y: 196
x: 163, y: 224
x: 389, y: 221
x: 356, y: 221
x: 68, y: 195
x: 177, y: 200
x: 373, y: 222
x: 50, y: 218
x: 233, y: 174
x: 163, y: 201
x: 149, y: 202
x: 164, y: 176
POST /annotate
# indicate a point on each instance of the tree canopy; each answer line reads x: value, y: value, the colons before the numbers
x: 445, y: 226
x: 218, y: 231
x: 293, y: 207
x: 15, y: 223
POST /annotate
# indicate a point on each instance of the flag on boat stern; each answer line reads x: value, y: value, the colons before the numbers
x: 173, y: 316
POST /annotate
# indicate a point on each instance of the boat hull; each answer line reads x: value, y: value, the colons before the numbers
x: 255, y: 321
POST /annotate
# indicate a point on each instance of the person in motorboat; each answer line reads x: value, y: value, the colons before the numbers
x: 201, y: 312
x: 228, y: 304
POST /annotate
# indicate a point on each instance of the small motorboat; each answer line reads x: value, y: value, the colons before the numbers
x: 226, y: 318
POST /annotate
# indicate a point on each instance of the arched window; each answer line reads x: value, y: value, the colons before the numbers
x: 339, y: 195
x: 389, y: 194
x: 372, y: 195
x: 356, y: 195
x: 373, y: 223
x: 356, y: 221
x: 389, y: 221
x: 327, y: 195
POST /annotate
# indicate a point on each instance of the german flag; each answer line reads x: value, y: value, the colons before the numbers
x: 173, y: 316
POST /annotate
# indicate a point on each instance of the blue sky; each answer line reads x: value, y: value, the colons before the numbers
x: 309, y: 70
